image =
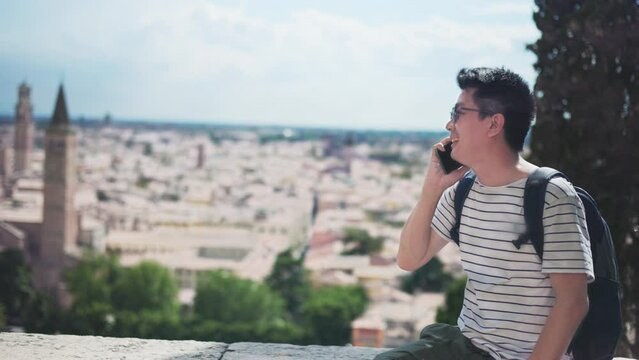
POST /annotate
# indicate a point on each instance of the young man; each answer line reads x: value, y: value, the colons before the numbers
x: 515, y: 305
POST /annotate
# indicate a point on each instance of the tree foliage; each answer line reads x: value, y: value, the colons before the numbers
x: 290, y: 280
x: 15, y: 283
x: 92, y: 279
x: 141, y: 301
x: 449, y: 312
x: 359, y: 242
x: 146, y: 286
x: 148, y: 324
x: 275, y: 332
x: 42, y: 315
x: 330, y: 311
x: 430, y: 277
x: 587, y: 122
x: 109, y: 300
x: 22, y: 304
x: 223, y: 297
x: 3, y: 318
x: 91, y: 284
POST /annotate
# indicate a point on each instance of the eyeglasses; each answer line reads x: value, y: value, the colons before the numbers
x: 458, y: 111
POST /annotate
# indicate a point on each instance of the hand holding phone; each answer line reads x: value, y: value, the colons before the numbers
x: 448, y: 164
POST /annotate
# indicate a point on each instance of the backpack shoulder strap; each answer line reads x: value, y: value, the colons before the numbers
x: 461, y: 193
x: 534, y: 201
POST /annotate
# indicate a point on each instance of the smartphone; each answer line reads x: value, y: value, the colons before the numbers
x: 448, y: 164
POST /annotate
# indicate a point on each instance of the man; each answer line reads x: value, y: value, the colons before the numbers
x: 515, y: 305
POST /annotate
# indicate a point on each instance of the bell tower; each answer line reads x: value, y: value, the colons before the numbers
x: 24, y: 128
x: 59, y: 220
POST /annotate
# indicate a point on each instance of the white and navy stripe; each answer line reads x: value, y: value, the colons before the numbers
x: 508, y: 295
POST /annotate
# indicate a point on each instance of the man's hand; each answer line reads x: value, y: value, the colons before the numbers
x: 436, y: 179
x: 418, y: 242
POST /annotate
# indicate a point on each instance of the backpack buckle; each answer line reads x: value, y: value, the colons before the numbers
x: 522, y: 239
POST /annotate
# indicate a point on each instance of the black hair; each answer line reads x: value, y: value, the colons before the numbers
x: 498, y: 90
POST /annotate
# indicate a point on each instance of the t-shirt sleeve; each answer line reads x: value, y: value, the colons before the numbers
x: 444, y: 217
x: 566, y: 239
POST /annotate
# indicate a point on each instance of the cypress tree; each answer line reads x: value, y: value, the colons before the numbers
x: 587, y: 124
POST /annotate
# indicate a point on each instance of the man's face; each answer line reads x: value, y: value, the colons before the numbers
x: 466, y: 128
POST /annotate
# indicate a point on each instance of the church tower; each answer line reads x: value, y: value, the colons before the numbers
x: 24, y: 128
x: 59, y: 220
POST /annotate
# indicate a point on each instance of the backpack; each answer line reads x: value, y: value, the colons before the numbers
x: 599, y: 332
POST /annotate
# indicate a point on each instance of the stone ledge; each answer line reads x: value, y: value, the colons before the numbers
x: 19, y: 346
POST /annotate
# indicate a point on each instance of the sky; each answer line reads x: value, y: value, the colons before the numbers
x: 364, y: 64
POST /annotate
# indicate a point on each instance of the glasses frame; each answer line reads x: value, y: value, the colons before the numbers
x: 455, y: 113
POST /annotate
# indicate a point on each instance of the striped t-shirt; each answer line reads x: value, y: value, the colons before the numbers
x: 508, y: 295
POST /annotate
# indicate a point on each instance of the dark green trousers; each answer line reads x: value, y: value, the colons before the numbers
x: 437, y: 342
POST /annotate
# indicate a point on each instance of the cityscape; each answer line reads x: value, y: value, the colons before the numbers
x: 201, y: 198
x: 231, y: 180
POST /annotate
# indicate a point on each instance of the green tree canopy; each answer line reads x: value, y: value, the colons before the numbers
x: 42, y: 315
x: 146, y: 286
x: 449, y: 312
x: 587, y: 121
x: 95, y: 318
x: 221, y: 296
x: 330, y: 310
x: 91, y: 282
x: 3, y: 319
x: 15, y: 283
x: 147, y: 324
x: 92, y: 279
x: 359, y: 242
x: 290, y: 280
x: 110, y: 300
x: 430, y: 277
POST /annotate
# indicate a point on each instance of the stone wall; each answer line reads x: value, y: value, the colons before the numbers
x: 18, y: 346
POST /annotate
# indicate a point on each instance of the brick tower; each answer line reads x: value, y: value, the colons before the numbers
x: 59, y: 220
x: 23, y: 140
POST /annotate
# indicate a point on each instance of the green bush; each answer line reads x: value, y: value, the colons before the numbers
x: 147, y: 324
x: 453, y: 302
x: 275, y: 332
x: 430, y: 277
x: 289, y: 278
x: 16, y: 290
x: 330, y: 311
x: 359, y: 242
x: 146, y: 286
x: 42, y: 315
x: 3, y: 318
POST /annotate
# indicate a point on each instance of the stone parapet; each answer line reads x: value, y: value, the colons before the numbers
x: 19, y: 346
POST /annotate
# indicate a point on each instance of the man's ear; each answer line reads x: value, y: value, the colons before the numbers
x: 496, y: 124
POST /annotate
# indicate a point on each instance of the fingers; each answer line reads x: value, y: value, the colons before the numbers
x: 440, y: 145
x: 435, y: 162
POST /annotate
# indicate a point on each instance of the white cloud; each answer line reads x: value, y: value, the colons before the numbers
x: 169, y: 48
x: 197, y: 37
x: 508, y: 8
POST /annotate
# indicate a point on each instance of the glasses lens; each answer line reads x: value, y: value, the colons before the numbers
x: 454, y: 115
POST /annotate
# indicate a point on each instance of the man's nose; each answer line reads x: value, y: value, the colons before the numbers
x: 449, y: 125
